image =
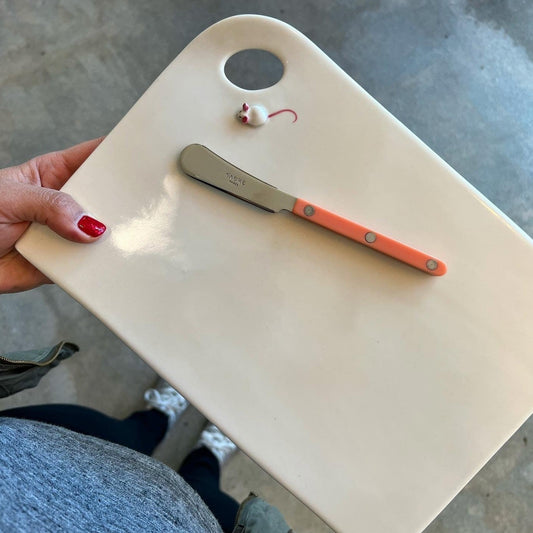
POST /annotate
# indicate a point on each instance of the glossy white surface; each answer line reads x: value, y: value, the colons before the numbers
x: 371, y: 390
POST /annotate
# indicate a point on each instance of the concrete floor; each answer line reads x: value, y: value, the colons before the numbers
x: 458, y: 73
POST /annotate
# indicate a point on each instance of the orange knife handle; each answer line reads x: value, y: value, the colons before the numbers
x: 370, y: 238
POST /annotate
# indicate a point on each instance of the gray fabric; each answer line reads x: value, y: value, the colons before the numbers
x: 53, y: 480
x: 24, y: 370
x: 258, y: 516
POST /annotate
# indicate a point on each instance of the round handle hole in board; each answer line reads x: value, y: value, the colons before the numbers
x: 253, y: 69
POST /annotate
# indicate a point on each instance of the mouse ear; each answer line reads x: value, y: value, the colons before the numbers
x: 245, y: 107
x: 244, y: 120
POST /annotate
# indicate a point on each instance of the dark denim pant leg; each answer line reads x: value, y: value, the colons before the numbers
x: 142, y: 431
x: 201, y: 471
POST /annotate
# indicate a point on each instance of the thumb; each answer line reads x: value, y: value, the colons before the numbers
x: 58, y: 210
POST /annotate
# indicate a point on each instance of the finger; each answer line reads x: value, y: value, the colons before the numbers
x: 58, y: 210
x: 17, y: 274
x: 54, y: 169
x: 76, y: 155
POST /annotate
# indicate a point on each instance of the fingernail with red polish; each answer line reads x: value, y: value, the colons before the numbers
x: 91, y: 226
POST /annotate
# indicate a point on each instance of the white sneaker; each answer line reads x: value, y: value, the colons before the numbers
x: 167, y: 400
x: 217, y: 443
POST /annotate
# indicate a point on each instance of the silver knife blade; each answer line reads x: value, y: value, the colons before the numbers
x: 201, y: 163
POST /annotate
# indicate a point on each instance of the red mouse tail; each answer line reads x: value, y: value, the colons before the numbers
x: 284, y: 111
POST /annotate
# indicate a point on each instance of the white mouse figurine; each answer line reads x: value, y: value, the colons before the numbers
x: 257, y: 115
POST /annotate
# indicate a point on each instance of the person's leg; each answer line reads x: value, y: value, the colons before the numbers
x: 142, y: 431
x: 201, y: 470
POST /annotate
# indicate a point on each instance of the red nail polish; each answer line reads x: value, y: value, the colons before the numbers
x: 91, y: 226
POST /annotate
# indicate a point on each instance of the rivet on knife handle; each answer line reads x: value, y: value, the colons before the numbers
x: 369, y: 237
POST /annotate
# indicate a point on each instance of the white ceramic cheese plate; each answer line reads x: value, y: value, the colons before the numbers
x: 371, y: 390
